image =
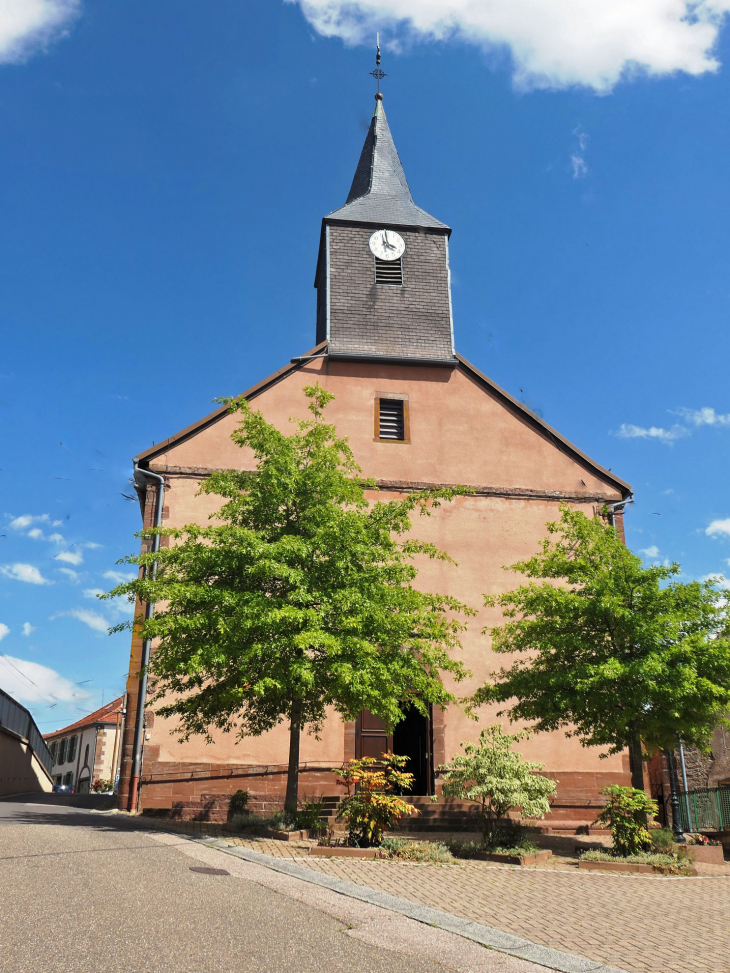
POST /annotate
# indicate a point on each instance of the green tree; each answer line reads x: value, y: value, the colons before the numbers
x: 494, y: 776
x: 617, y: 654
x: 298, y: 595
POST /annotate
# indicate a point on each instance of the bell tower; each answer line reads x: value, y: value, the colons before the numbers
x: 383, y: 282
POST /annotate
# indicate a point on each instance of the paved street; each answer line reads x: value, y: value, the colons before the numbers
x: 637, y: 923
x: 89, y: 892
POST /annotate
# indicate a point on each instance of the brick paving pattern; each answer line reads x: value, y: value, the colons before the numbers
x: 634, y: 922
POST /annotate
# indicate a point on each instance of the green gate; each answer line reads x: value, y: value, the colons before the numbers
x: 705, y: 810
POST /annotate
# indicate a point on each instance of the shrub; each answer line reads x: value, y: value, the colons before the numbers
x: 278, y: 821
x: 625, y: 814
x: 493, y: 776
x: 415, y: 851
x: 309, y: 815
x: 370, y: 805
x: 237, y: 803
x: 669, y: 864
x: 662, y: 840
x: 506, y: 841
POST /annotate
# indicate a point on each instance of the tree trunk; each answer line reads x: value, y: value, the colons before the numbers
x: 637, y: 764
x: 292, y: 780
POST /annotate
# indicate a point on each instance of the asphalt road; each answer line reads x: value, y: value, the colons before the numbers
x: 84, y: 892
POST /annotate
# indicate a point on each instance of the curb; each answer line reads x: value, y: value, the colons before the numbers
x: 553, y: 959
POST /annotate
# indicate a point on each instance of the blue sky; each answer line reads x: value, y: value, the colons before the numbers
x: 163, y: 172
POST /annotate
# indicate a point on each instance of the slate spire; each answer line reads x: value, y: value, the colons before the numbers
x: 379, y: 192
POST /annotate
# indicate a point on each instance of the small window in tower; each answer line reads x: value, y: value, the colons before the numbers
x: 391, y: 419
x: 389, y: 272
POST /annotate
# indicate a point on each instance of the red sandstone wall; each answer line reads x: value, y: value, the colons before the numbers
x: 460, y: 433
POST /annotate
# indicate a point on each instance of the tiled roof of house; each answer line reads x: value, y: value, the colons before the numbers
x: 379, y: 191
x: 105, y: 714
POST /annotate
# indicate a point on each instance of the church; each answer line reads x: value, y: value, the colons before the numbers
x: 418, y: 416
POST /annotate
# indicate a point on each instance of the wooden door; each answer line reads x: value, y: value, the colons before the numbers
x: 371, y: 737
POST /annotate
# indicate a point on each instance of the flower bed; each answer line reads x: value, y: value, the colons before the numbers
x: 643, y: 862
x: 518, y: 858
x: 707, y: 854
x: 342, y: 851
x: 275, y: 834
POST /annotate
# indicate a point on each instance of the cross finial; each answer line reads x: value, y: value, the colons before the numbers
x: 377, y: 73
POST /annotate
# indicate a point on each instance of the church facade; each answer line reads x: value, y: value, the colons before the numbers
x: 417, y: 415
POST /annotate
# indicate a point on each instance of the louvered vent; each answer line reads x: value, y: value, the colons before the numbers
x: 389, y: 272
x: 392, y: 425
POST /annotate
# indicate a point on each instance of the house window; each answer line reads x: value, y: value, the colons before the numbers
x: 69, y: 778
x: 52, y: 749
x: 62, y: 751
x: 391, y: 419
x: 389, y: 272
x: 72, y: 748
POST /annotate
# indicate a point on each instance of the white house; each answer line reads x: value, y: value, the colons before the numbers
x: 88, y: 750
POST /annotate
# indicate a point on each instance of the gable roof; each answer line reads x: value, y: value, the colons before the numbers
x: 320, y: 351
x: 105, y: 714
x: 379, y: 191
x: 553, y: 435
x: 212, y: 417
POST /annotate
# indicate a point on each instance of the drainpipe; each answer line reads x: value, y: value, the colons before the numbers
x: 146, y: 648
x: 684, y: 781
x: 613, y: 506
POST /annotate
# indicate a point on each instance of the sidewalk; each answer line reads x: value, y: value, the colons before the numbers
x: 634, y: 922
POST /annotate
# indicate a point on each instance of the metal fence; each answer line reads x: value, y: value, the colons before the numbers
x: 705, y: 810
x: 18, y: 720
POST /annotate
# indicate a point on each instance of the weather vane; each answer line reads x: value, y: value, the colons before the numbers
x: 377, y: 73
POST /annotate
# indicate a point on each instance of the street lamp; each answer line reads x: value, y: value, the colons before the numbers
x: 674, y: 799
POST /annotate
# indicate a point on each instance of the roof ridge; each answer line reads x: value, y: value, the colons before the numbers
x: 97, y: 716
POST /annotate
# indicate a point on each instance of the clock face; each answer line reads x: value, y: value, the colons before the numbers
x: 387, y: 244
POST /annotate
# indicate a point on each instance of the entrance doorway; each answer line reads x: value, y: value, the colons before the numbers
x: 410, y: 738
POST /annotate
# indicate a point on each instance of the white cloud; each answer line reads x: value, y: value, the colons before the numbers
x: 25, y: 520
x: 30, y: 682
x: 119, y: 577
x: 719, y: 527
x: 28, y: 628
x: 651, y: 552
x: 92, y: 592
x: 91, y: 618
x: 56, y: 539
x: 23, y: 572
x: 704, y: 417
x: 70, y: 557
x: 579, y: 166
x: 577, y: 160
x: 4, y: 630
x: 629, y: 431
x: 92, y: 545
x: 70, y: 574
x: 36, y: 534
x: 553, y: 43
x: 27, y: 26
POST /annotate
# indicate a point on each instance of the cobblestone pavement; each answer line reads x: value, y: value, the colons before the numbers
x: 637, y: 923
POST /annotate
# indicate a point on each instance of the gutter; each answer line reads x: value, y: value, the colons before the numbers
x: 140, y: 474
x: 612, y: 507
